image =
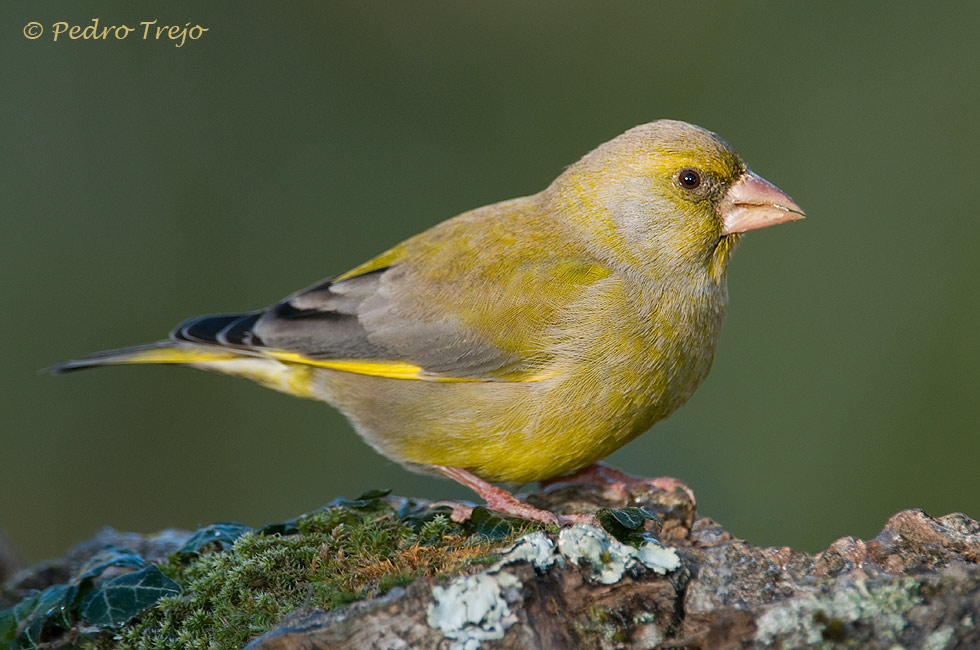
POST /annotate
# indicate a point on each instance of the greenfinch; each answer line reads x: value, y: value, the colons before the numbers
x: 523, y: 340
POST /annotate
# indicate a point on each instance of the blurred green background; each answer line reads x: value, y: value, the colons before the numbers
x: 144, y: 183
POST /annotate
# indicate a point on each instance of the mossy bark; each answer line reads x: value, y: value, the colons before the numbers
x: 427, y: 583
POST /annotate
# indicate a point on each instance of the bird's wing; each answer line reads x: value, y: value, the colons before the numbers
x: 392, y: 317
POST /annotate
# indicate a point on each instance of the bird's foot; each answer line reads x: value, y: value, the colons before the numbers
x: 502, y: 501
x: 616, y: 484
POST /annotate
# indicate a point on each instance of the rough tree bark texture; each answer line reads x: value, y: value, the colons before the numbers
x: 915, y: 585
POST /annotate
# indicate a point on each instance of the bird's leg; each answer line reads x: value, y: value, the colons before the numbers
x: 616, y: 483
x: 502, y: 501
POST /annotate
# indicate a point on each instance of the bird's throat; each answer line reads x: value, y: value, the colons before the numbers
x: 722, y: 254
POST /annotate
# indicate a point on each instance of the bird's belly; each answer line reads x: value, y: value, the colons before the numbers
x: 515, y: 432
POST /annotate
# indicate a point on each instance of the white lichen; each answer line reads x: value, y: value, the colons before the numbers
x: 471, y: 609
x: 939, y: 640
x: 802, y: 620
x: 536, y: 548
x: 476, y: 608
x: 660, y: 558
x: 610, y: 558
x: 792, y: 620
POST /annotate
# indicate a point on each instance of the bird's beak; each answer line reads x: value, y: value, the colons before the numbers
x: 753, y: 203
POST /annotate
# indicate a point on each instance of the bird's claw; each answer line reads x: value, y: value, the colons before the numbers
x: 616, y: 484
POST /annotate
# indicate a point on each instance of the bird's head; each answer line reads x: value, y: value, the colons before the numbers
x: 669, y: 197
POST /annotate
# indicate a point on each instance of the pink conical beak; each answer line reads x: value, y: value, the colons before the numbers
x: 753, y: 203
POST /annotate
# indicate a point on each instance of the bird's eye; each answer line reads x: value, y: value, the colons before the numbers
x: 689, y: 179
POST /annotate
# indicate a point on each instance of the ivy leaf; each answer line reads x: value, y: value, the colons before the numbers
x: 41, y: 615
x: 375, y: 494
x: 8, y: 624
x: 370, y: 500
x: 22, y: 625
x: 288, y: 527
x: 222, y: 534
x: 625, y: 524
x: 491, y: 526
x: 56, y: 604
x: 107, y: 557
x: 121, y: 599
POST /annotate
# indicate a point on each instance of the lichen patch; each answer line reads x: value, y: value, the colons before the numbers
x: 610, y: 558
x: 472, y: 609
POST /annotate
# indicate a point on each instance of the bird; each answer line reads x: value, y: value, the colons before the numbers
x: 521, y: 341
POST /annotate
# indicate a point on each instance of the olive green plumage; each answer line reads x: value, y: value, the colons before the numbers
x: 524, y: 339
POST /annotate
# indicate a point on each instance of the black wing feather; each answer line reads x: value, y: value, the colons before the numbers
x: 318, y: 322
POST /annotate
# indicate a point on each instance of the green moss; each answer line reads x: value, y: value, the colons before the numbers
x: 335, y: 556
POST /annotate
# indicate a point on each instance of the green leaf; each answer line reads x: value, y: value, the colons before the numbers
x: 107, y: 557
x: 625, y: 524
x: 8, y: 625
x: 288, y: 527
x: 418, y: 516
x: 22, y: 625
x: 222, y: 534
x: 57, y: 604
x: 370, y: 500
x: 121, y: 599
x: 374, y: 494
x: 490, y: 525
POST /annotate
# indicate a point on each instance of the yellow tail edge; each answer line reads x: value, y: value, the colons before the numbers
x: 161, y: 352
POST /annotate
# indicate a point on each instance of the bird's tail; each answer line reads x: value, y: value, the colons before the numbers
x: 159, y: 352
x: 292, y: 378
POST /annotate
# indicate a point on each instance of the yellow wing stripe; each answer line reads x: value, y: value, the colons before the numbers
x: 390, y: 369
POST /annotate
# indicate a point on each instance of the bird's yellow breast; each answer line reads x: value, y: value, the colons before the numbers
x: 615, y: 372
